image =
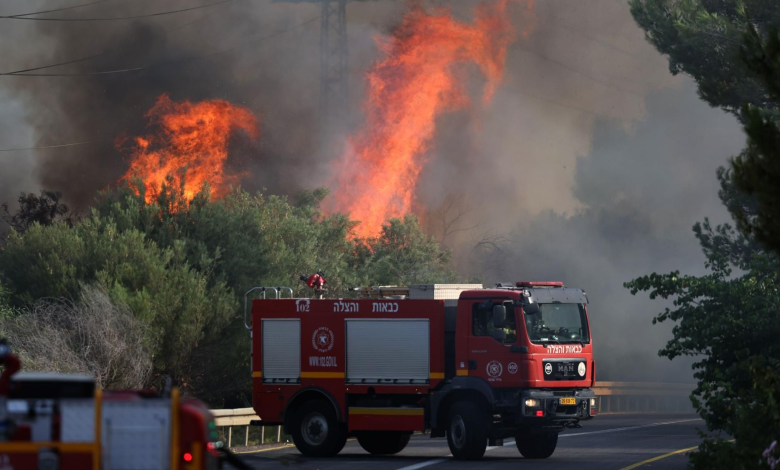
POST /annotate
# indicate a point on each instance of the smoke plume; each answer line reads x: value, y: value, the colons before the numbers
x: 589, y: 166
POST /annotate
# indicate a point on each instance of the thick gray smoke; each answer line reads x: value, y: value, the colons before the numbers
x: 222, y: 52
x: 589, y: 166
x: 640, y: 191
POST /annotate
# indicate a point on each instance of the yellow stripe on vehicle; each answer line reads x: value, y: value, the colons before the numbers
x: 437, y: 375
x: 257, y: 374
x: 387, y: 411
x: 463, y: 372
x: 322, y: 375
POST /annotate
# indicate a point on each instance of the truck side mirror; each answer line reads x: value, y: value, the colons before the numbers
x: 531, y: 309
x: 499, y: 316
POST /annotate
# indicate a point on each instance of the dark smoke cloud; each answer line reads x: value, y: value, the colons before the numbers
x: 276, y: 78
x: 590, y: 165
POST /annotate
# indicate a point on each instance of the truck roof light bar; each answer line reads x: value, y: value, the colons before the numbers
x: 538, y: 284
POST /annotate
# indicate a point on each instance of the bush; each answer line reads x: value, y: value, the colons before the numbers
x: 93, y: 336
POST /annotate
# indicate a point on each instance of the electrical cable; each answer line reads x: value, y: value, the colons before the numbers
x: 278, y: 33
x: 56, y: 9
x: 53, y: 146
x: 573, y: 70
x: 109, y: 52
x: 162, y: 13
x: 173, y: 62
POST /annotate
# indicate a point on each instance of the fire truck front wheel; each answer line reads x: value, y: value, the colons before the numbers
x: 315, y: 430
x: 537, y: 446
x: 467, y: 431
x: 383, y: 442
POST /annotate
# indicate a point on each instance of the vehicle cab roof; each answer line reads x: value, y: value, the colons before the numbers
x: 545, y: 295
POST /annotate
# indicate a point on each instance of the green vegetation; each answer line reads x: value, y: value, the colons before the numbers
x: 730, y: 318
x: 180, y: 268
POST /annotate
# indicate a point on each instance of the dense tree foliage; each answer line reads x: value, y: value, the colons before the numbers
x: 757, y: 169
x: 731, y: 48
x: 703, y: 39
x: 182, y: 268
x: 730, y: 318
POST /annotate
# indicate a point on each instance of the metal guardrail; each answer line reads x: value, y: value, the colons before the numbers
x: 613, y: 397
x: 658, y: 397
x: 241, y: 417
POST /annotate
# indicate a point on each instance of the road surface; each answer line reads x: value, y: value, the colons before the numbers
x: 617, y: 441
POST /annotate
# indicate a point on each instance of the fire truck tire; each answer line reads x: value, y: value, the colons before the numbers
x: 539, y: 446
x: 383, y: 442
x: 467, y: 431
x: 316, y: 431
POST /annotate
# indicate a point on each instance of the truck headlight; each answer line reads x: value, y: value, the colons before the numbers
x: 592, y: 402
x: 531, y: 402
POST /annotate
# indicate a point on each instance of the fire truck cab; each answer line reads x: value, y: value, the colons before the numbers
x: 475, y: 365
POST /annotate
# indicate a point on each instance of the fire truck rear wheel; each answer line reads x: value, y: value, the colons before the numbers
x: 537, y: 446
x: 383, y: 442
x: 467, y: 431
x: 316, y: 431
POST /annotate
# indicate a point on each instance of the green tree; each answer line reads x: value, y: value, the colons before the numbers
x: 703, y: 39
x: 730, y: 320
x: 730, y: 317
x: 158, y: 285
x: 757, y: 169
x: 244, y: 241
x: 731, y: 48
x: 404, y: 254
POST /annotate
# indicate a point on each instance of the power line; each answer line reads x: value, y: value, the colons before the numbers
x: 53, y: 146
x: 162, y: 13
x: 52, y: 11
x: 547, y: 100
x: 165, y: 64
x: 109, y: 52
x: 578, y: 72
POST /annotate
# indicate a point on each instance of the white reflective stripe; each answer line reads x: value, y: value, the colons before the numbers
x: 281, y: 348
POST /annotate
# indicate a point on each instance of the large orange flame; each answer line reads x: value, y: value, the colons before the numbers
x: 418, y: 79
x: 191, y: 138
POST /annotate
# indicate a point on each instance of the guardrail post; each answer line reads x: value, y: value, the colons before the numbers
x: 246, y: 437
x: 278, y: 434
x: 230, y: 435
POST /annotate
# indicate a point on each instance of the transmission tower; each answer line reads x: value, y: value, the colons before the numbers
x: 334, y: 59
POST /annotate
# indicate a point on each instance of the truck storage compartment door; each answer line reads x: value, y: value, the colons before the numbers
x: 388, y: 351
x: 136, y: 434
x: 281, y: 350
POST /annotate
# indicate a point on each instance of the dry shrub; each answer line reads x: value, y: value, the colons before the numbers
x: 92, y: 336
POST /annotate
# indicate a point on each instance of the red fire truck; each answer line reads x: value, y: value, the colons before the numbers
x: 477, y: 365
x: 62, y: 422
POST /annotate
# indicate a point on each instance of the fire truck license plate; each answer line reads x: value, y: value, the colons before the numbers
x: 568, y: 401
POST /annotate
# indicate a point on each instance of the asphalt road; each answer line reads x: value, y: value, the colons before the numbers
x: 607, y: 442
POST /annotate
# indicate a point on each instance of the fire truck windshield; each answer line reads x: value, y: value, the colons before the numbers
x: 558, y: 323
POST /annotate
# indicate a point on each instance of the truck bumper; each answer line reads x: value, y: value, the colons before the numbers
x: 550, y: 408
x: 536, y: 411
